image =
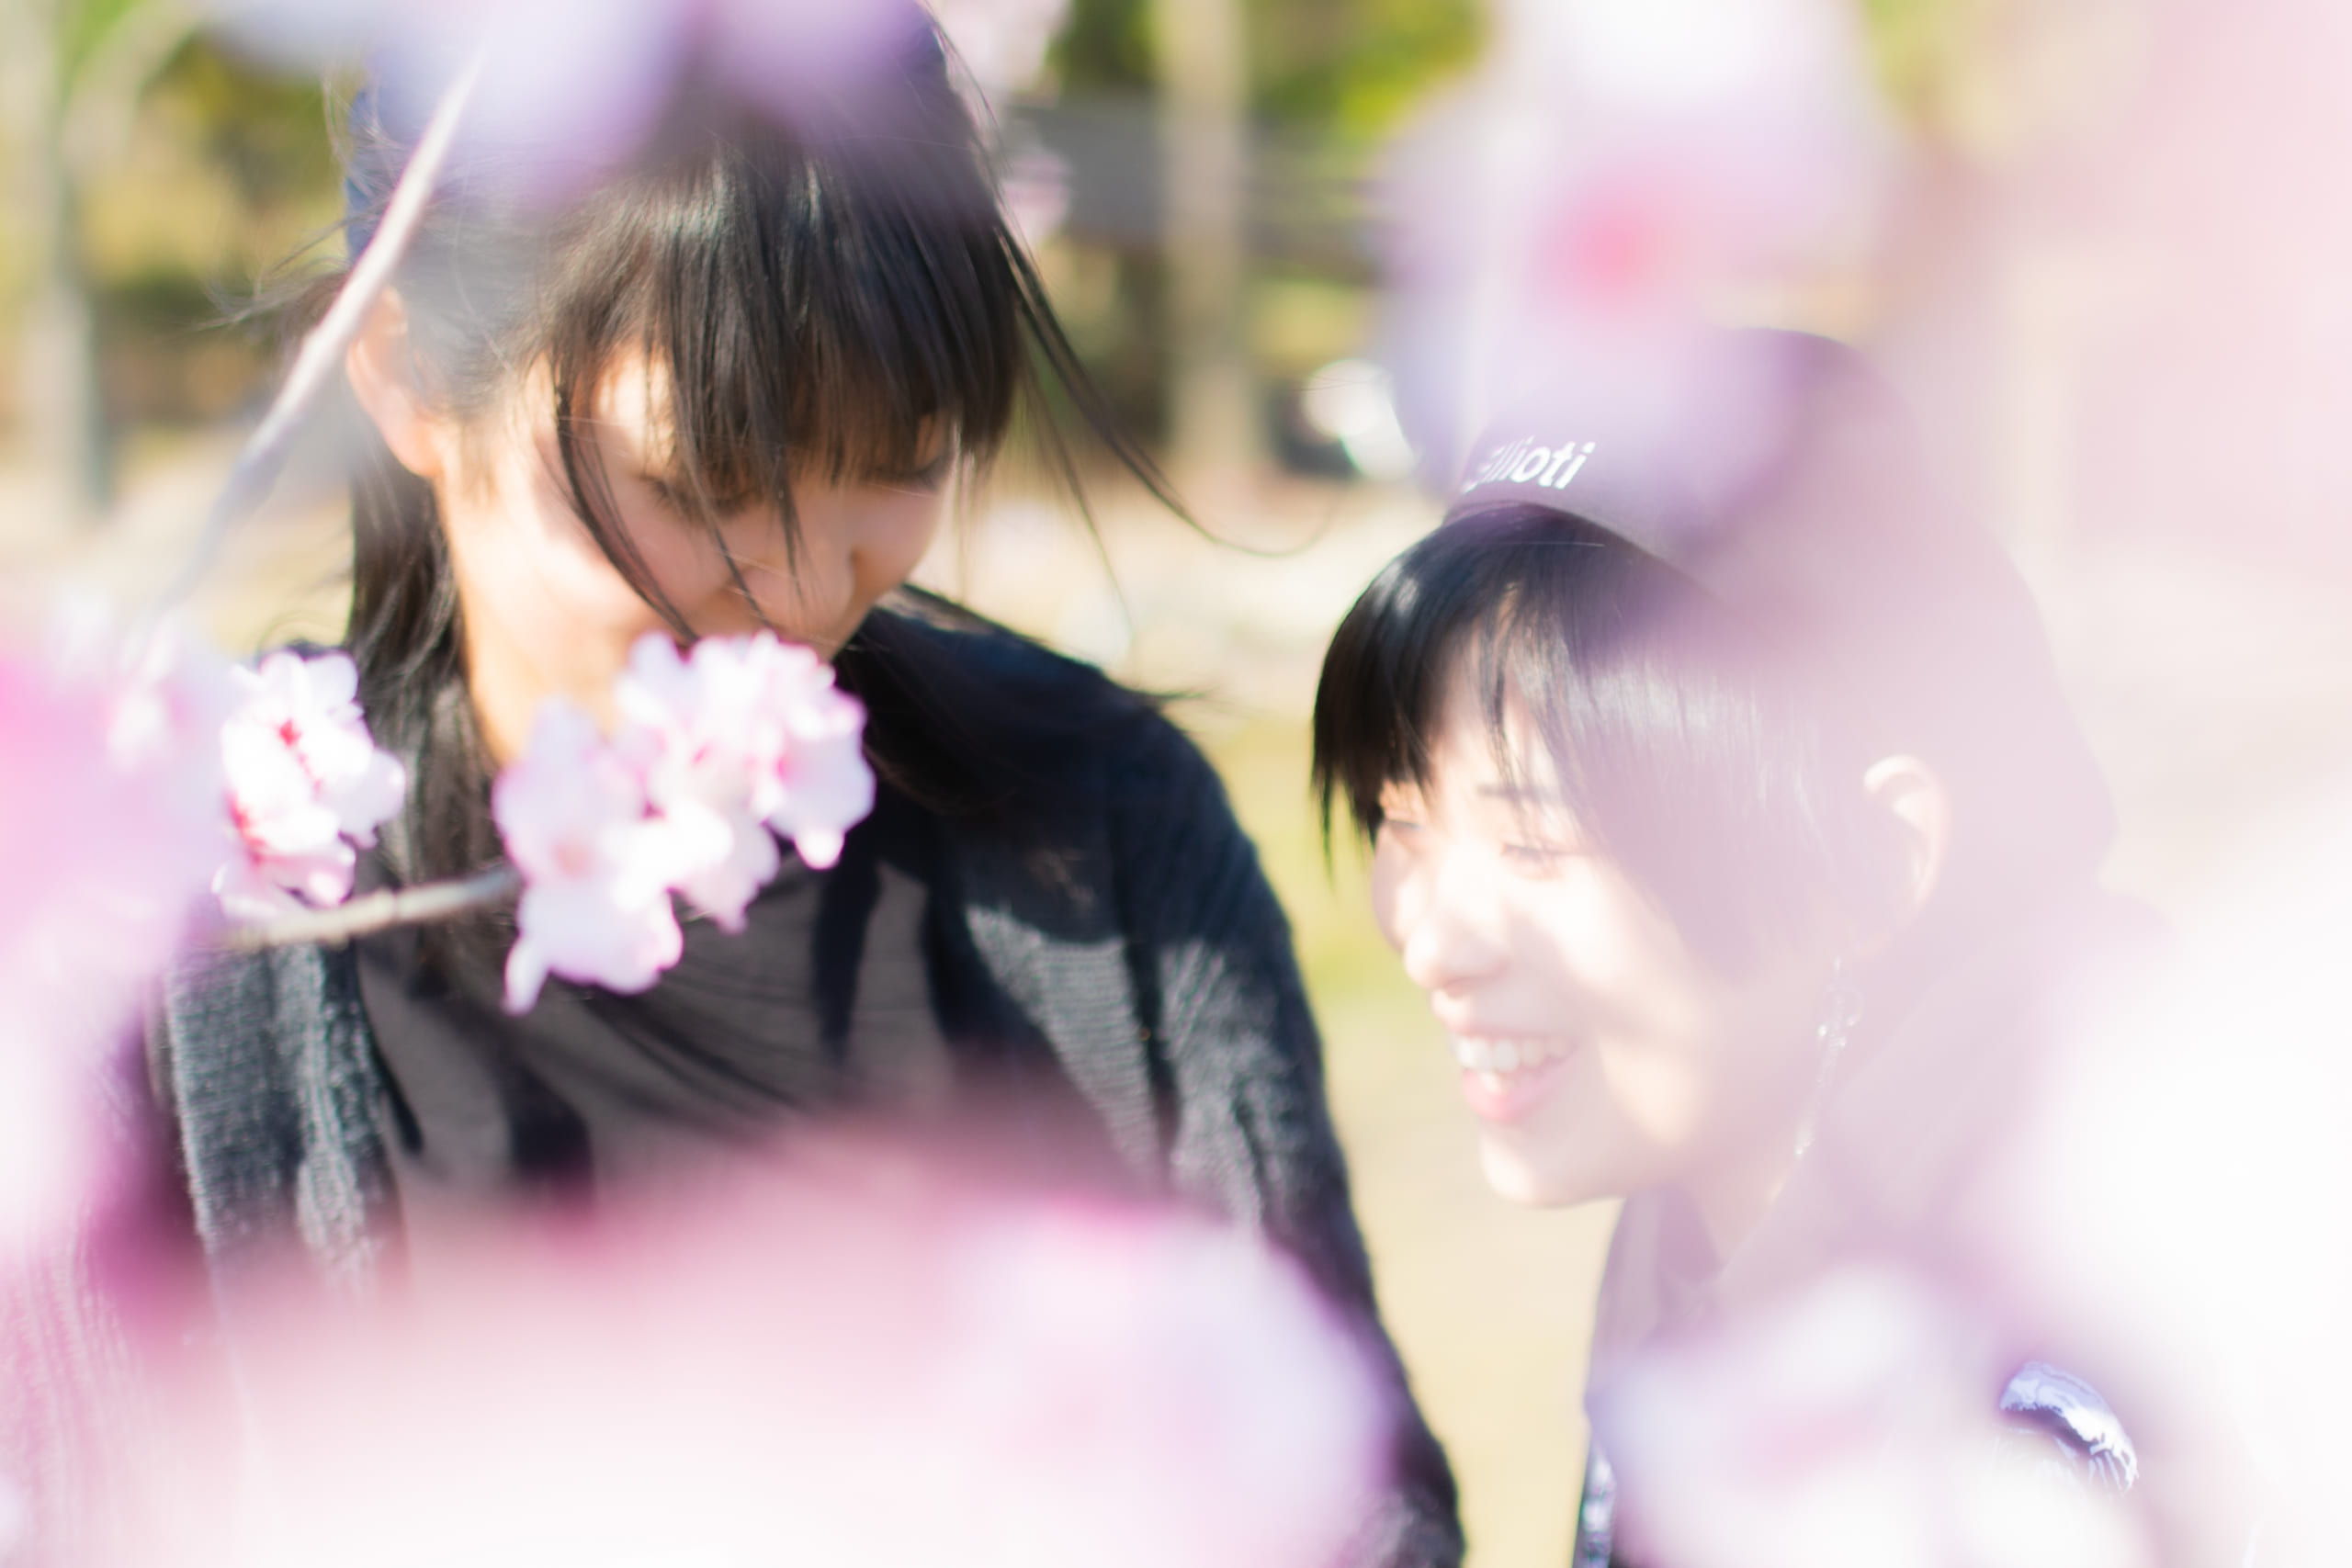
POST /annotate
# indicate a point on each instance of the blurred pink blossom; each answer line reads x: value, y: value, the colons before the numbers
x: 571, y: 88
x: 1002, y: 43
x: 2190, y: 1185
x: 1619, y: 174
x: 112, y: 803
x: 867, y: 1359
x: 738, y: 733
x: 109, y: 825
x: 1142, y: 1358
x: 305, y: 783
x: 165, y: 698
x: 597, y: 870
x: 1850, y: 1425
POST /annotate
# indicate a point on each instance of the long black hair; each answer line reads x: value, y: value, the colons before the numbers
x: 820, y: 294
x: 1684, y: 753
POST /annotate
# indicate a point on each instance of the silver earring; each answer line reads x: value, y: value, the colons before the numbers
x: 1842, y: 1009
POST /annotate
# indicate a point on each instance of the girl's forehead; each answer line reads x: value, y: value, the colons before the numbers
x: 634, y: 398
x: 1474, y: 745
x: 1471, y: 766
x: 635, y: 414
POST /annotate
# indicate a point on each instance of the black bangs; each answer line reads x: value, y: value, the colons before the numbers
x: 823, y: 306
x: 1680, y: 752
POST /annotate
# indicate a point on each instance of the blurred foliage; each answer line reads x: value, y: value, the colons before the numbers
x: 82, y: 26
x: 266, y: 131
x: 1330, y: 82
x: 1914, y: 45
x: 1105, y: 47
x: 1357, y: 66
x: 1990, y: 80
x: 1350, y: 69
x: 229, y: 173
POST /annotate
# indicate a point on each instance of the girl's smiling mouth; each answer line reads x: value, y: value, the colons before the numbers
x: 1506, y: 1076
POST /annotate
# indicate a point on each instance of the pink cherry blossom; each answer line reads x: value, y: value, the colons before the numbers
x: 109, y: 825
x: 817, y: 785
x: 738, y: 737
x: 717, y: 749
x: 597, y: 868
x: 305, y: 784
x: 692, y: 727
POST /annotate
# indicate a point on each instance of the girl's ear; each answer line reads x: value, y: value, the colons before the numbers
x: 1918, y: 809
x: 385, y: 378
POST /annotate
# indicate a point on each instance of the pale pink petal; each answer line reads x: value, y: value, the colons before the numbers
x: 725, y: 888
x: 554, y: 805
x: 323, y: 878
x: 272, y: 802
x: 329, y: 681
x: 827, y: 790
x: 371, y: 798
x: 526, y: 971
x: 246, y: 893
x: 656, y: 688
x: 581, y: 931
x: 648, y: 858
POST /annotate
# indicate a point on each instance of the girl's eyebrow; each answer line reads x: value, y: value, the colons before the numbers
x: 678, y: 489
x: 1522, y: 794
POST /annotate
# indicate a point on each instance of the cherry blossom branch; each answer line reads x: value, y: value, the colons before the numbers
x: 323, y: 347
x: 432, y: 902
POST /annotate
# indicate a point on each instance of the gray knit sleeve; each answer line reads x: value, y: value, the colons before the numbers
x: 267, y: 1071
x: 1238, y: 1067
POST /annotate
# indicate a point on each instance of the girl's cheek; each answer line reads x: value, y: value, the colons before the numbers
x: 1661, y: 1089
x: 899, y: 533
x: 1388, y: 895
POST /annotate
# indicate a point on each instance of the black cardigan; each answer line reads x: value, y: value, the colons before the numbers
x: 1140, y: 942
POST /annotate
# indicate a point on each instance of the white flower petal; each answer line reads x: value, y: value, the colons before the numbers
x: 726, y: 888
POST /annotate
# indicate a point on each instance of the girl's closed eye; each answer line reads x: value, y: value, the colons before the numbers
x: 677, y: 497
x: 1405, y: 830
x: 926, y: 480
x: 1537, y: 858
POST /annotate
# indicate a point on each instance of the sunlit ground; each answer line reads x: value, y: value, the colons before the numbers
x: 2214, y: 740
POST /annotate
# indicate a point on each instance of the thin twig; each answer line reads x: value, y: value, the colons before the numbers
x: 380, y: 911
x: 324, y: 345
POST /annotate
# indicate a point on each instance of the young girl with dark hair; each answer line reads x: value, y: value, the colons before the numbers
x: 729, y: 388
x: 1722, y: 800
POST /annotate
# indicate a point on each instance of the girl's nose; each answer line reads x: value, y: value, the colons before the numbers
x: 802, y: 589
x: 1451, y: 930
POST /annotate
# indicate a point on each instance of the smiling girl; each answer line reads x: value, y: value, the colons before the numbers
x: 1722, y: 801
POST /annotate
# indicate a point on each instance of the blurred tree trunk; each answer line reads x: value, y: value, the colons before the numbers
x: 75, y: 104
x: 62, y: 424
x: 1204, y: 162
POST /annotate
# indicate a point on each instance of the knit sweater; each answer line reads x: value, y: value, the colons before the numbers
x: 1142, y: 946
